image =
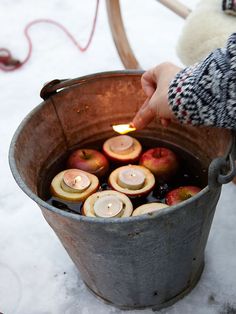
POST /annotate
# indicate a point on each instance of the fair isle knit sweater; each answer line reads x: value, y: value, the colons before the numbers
x: 205, y: 93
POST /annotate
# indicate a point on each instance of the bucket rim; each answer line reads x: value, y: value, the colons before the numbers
x: 43, y: 204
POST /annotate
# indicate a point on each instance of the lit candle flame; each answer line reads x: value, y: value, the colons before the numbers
x: 123, y: 128
x: 75, y: 179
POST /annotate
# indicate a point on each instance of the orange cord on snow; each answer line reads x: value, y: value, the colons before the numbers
x: 8, y: 63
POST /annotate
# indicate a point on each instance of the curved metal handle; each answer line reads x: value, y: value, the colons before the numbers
x: 56, y: 85
x: 119, y: 35
x: 222, y: 170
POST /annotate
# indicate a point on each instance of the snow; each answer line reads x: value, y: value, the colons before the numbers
x: 36, y: 274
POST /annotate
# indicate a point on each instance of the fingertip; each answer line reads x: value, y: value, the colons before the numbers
x: 137, y: 122
x: 165, y: 122
x: 131, y: 124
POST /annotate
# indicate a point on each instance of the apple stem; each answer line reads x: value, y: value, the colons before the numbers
x: 188, y: 196
x: 157, y: 153
x: 85, y: 155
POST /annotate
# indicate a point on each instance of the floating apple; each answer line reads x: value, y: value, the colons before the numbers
x: 181, y: 194
x: 89, y: 160
x: 74, y: 185
x: 107, y: 204
x: 122, y: 148
x: 162, y: 162
x: 132, y: 180
x: 148, y: 208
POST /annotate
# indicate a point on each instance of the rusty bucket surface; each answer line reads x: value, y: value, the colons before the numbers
x: 144, y: 261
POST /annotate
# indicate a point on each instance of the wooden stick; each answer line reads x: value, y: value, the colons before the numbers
x: 119, y: 35
x: 177, y: 7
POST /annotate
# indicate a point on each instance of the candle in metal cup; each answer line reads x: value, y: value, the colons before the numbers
x: 76, y: 180
x: 108, y: 206
x: 123, y: 128
x: 131, y: 178
x: 122, y: 144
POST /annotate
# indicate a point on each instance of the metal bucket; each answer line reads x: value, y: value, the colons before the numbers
x: 147, y: 261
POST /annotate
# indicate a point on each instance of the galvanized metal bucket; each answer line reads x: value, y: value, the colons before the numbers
x: 144, y: 261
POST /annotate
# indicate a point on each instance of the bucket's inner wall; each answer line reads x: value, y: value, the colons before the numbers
x: 85, y: 112
x: 40, y: 138
x: 88, y: 111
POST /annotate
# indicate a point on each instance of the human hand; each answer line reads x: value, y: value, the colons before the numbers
x: 155, y: 83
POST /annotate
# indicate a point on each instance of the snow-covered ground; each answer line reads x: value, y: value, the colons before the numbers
x: 36, y: 274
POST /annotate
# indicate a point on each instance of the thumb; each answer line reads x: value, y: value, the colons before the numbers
x: 148, y: 83
x: 145, y: 114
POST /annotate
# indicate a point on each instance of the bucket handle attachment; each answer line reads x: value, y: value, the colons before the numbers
x: 222, y: 170
x: 51, y: 87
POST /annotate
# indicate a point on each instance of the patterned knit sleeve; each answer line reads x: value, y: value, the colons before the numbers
x: 205, y: 93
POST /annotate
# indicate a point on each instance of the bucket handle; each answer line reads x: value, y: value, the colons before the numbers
x: 56, y: 85
x: 222, y: 170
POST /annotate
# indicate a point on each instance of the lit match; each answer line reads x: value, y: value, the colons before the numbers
x: 123, y: 128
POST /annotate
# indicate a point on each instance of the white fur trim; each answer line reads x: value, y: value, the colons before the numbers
x: 206, y: 29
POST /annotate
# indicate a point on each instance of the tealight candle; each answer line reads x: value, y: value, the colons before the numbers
x: 148, y: 208
x: 123, y: 149
x: 76, y: 180
x: 122, y: 144
x: 108, y: 206
x: 131, y: 178
x: 74, y: 185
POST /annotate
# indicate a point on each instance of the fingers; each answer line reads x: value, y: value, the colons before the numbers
x: 145, y: 115
x: 148, y: 83
x: 155, y: 83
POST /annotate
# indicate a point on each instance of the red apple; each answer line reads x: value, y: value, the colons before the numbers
x: 181, y: 194
x: 162, y: 162
x: 89, y: 160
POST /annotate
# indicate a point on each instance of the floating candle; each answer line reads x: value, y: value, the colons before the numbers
x: 148, y: 208
x: 122, y: 144
x: 123, y: 128
x: 108, y: 206
x: 71, y: 185
x: 76, y: 180
x: 131, y: 178
x: 122, y: 148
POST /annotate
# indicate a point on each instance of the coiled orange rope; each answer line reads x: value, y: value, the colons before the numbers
x: 8, y: 63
